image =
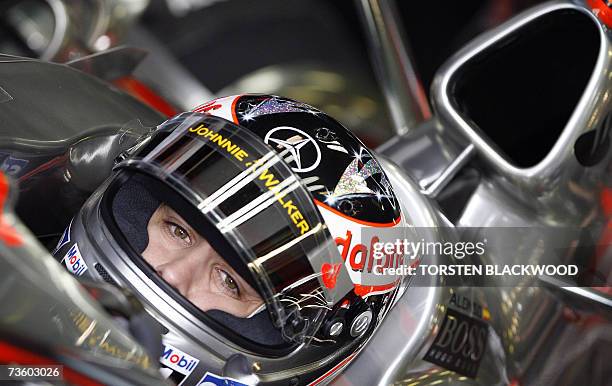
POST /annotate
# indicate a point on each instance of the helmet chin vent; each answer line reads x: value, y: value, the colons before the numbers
x: 105, y: 276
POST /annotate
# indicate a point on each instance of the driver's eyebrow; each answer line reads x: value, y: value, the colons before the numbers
x: 166, y: 209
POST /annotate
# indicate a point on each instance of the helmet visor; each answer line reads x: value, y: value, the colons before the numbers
x: 239, y: 195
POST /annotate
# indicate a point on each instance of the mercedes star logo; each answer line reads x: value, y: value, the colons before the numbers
x: 302, y: 147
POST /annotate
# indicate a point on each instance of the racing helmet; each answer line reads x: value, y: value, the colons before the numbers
x: 276, y: 193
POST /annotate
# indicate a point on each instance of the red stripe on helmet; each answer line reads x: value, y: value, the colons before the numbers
x: 362, y: 222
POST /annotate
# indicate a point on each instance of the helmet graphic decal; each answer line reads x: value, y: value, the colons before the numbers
x: 274, y: 106
x: 335, y: 166
x: 329, y: 274
x: 363, y: 177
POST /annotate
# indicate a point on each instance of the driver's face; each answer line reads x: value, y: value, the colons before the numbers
x: 186, y: 261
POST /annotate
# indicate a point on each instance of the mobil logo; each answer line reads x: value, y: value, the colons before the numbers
x: 177, y: 360
x: 74, y: 261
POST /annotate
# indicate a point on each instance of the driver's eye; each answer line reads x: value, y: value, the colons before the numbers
x: 228, y: 283
x: 178, y: 232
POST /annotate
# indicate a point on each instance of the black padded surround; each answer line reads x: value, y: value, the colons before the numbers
x: 133, y: 207
x: 258, y: 328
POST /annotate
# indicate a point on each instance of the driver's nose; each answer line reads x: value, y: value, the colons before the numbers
x: 178, y: 272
